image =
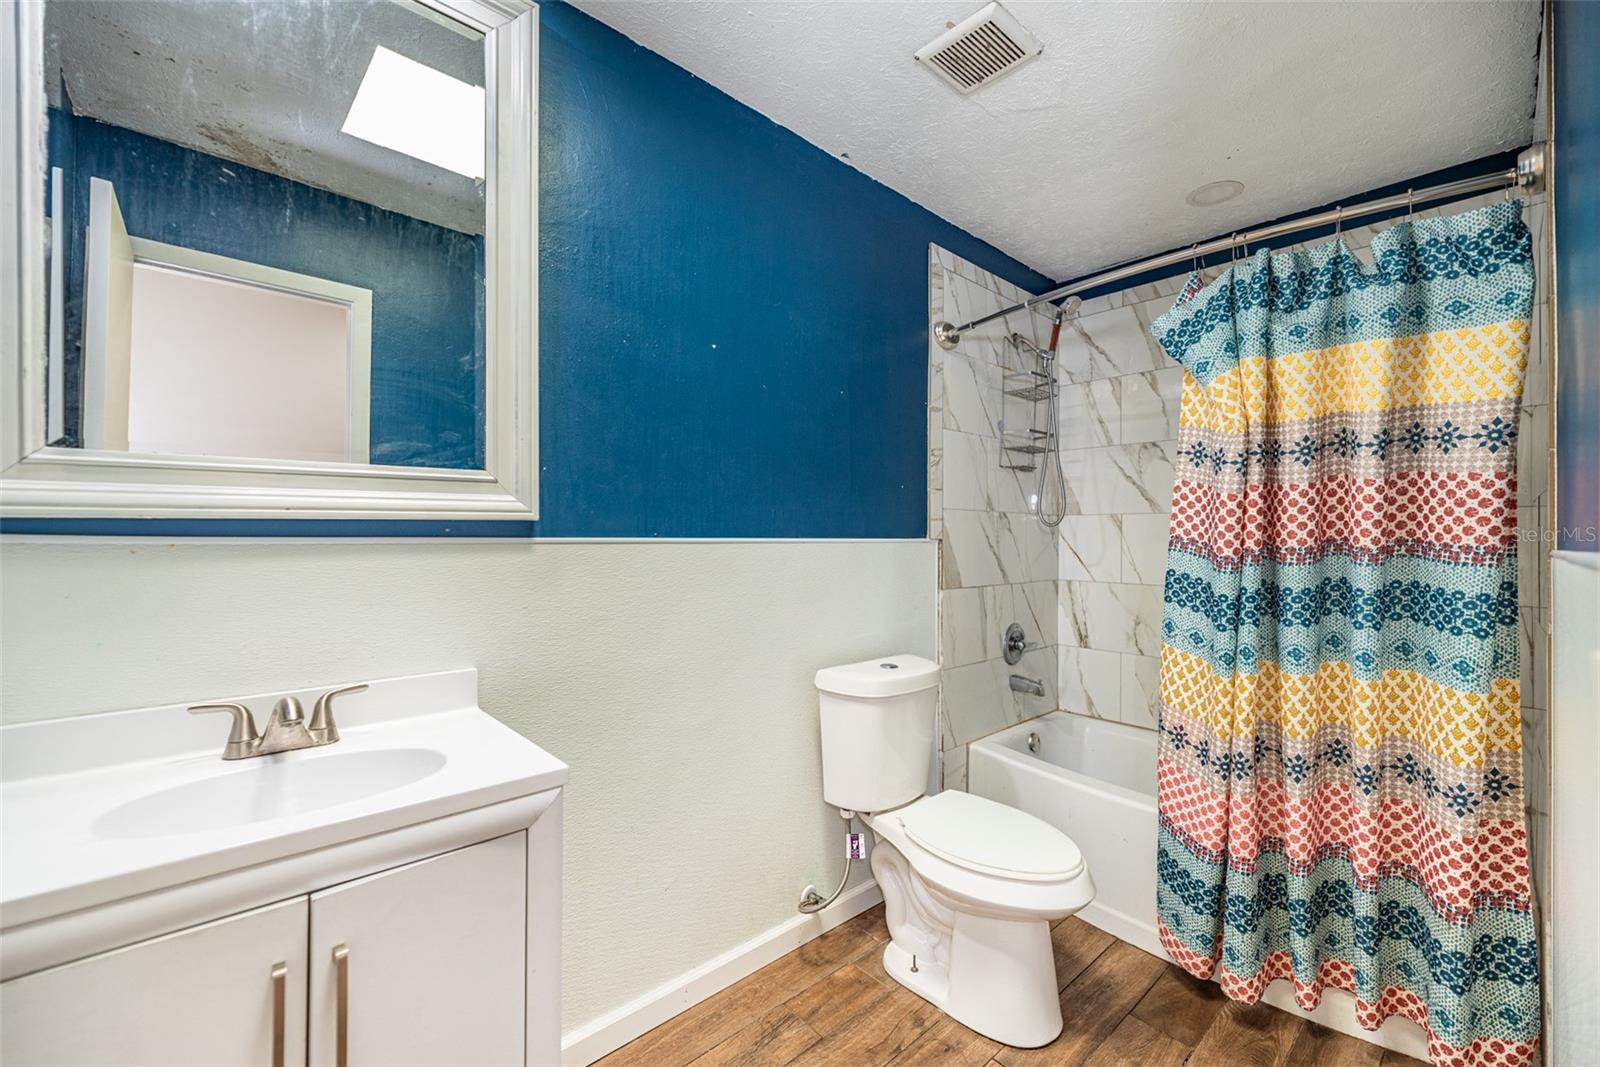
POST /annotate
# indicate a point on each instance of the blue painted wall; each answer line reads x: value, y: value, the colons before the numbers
x: 426, y: 280
x: 1577, y: 207
x: 733, y: 324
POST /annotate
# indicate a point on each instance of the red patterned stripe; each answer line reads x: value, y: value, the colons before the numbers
x: 1468, y: 509
x: 1454, y: 869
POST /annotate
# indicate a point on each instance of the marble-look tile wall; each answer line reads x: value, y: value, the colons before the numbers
x: 1119, y: 430
x: 997, y: 563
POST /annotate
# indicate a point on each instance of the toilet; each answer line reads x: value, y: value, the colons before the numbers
x: 970, y: 886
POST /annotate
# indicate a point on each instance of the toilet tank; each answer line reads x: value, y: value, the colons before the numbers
x: 877, y: 731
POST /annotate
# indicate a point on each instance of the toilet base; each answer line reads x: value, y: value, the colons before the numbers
x: 1001, y: 981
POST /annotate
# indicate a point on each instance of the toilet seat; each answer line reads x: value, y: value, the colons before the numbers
x: 980, y: 835
x: 992, y: 878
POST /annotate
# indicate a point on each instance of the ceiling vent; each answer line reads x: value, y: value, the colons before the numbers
x: 980, y: 49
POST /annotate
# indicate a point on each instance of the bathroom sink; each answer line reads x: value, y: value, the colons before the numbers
x: 105, y: 806
x: 289, y: 785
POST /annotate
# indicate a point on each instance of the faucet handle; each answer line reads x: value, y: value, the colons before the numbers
x: 243, y: 734
x: 322, y: 726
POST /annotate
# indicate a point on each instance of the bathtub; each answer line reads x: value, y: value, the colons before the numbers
x: 1095, y: 781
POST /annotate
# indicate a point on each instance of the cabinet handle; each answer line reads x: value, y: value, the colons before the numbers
x: 280, y: 981
x: 341, y: 1030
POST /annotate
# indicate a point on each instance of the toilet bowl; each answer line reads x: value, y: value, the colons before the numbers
x: 970, y: 886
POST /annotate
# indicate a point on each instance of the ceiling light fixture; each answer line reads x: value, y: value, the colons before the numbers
x: 1213, y: 193
x: 411, y: 108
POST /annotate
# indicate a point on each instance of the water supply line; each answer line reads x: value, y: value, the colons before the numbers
x: 810, y: 899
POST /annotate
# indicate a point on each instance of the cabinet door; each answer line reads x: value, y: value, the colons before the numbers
x: 209, y: 995
x: 432, y: 957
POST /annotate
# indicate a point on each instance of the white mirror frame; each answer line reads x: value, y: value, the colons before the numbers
x: 43, y: 482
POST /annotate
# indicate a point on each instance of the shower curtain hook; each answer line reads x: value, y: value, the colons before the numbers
x: 1411, y: 205
x: 1338, y: 220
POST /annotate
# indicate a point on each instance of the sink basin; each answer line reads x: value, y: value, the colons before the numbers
x: 275, y: 787
x: 103, y: 807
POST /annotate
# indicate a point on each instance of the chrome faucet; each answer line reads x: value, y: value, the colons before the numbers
x: 287, y: 728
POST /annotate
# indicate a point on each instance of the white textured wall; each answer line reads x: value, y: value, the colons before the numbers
x: 675, y: 678
x: 1572, y: 980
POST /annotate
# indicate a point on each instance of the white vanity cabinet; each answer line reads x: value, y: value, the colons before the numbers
x: 215, y: 995
x: 389, y: 899
x: 421, y: 964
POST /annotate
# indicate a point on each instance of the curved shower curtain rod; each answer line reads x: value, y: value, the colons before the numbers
x: 1528, y: 173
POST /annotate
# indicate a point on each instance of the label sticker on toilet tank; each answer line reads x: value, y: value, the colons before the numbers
x: 855, y: 846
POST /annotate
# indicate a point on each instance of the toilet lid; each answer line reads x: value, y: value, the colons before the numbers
x: 982, y: 835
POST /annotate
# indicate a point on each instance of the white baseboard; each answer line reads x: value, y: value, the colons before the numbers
x: 616, y: 1028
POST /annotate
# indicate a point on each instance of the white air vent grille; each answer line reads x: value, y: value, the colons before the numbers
x: 986, y: 46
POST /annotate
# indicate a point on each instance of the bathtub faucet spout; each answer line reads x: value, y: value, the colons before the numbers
x: 1019, y: 684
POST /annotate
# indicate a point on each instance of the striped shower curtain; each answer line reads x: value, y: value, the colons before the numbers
x: 1340, y: 768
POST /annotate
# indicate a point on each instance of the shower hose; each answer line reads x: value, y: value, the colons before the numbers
x: 1052, y: 442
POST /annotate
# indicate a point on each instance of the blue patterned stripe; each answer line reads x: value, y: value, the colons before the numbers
x: 1299, y: 456
x: 1455, y: 600
x: 1468, y: 270
x: 1452, y: 793
x: 1473, y: 979
x: 1461, y: 663
x: 1400, y: 581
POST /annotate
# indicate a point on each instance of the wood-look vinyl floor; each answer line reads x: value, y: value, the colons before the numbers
x: 831, y: 1002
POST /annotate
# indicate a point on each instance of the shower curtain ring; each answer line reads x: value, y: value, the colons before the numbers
x: 1411, y: 205
x: 1338, y: 221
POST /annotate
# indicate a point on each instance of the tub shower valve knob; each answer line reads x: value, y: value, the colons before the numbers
x: 1016, y: 643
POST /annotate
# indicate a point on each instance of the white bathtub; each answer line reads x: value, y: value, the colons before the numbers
x: 1095, y: 781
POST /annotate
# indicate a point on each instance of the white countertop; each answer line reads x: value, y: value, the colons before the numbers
x: 64, y: 845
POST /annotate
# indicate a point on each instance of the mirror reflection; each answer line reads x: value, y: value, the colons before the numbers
x: 265, y: 233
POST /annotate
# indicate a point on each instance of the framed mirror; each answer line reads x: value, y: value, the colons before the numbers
x: 269, y: 259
